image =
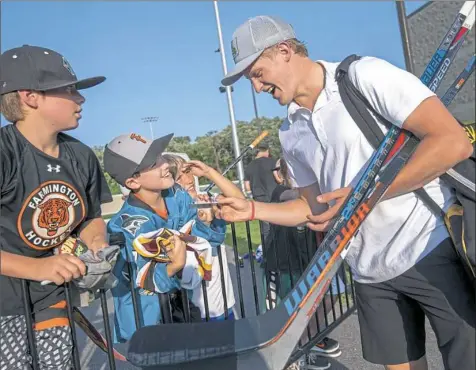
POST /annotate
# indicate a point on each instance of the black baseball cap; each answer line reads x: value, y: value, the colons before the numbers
x: 131, y: 153
x: 37, y: 68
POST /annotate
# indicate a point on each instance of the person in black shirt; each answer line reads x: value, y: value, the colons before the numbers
x: 260, y: 181
x: 51, y: 187
x: 259, y: 177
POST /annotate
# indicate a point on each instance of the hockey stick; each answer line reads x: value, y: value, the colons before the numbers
x: 453, y: 49
x: 440, y: 53
x: 240, y: 157
x: 94, y: 334
x: 254, y: 340
x: 458, y: 84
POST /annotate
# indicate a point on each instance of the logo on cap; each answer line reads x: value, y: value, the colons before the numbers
x: 234, y: 48
x: 68, y: 67
x: 138, y: 138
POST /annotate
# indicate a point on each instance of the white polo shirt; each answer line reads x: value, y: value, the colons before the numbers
x: 327, y: 146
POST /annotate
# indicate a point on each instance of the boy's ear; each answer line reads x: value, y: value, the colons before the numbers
x: 30, y: 98
x: 132, y: 184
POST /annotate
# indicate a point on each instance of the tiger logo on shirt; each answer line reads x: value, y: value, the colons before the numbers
x: 49, y: 214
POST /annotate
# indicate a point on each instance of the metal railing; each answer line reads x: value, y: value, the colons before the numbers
x: 253, y: 291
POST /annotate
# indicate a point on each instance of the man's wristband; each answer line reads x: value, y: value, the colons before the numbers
x: 252, y: 210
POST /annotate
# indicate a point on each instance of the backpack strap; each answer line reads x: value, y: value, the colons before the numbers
x: 359, y: 109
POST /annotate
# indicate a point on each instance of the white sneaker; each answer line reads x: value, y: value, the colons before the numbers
x: 300, y: 364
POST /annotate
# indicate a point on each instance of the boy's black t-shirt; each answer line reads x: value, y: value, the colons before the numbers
x: 42, y: 201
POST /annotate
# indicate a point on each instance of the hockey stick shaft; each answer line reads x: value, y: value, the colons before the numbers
x: 240, y: 157
x: 440, y: 53
x: 458, y: 84
x: 452, y: 51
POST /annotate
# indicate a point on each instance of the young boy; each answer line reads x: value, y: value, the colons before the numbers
x: 184, y: 175
x: 153, y: 203
x: 51, y: 187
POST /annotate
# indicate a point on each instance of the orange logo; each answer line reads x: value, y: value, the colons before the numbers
x: 138, y: 138
x: 49, y: 215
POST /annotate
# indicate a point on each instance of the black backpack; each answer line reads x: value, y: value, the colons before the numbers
x: 460, y: 217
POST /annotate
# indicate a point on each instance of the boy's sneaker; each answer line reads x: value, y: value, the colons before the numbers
x: 317, y: 362
x: 327, y: 348
x: 299, y: 364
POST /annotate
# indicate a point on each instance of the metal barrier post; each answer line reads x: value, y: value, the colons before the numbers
x: 252, y: 266
x: 107, y: 330
x: 238, y: 274
x: 29, y: 324
x: 74, y: 340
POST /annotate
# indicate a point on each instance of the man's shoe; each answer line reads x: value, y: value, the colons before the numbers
x: 327, y: 348
x: 316, y: 362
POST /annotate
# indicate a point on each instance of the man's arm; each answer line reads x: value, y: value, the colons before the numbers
x: 247, y: 186
x: 405, y: 101
x: 291, y: 213
x: 94, y: 234
x: 443, y: 144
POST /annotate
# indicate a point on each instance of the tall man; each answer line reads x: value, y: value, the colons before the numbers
x: 403, y: 260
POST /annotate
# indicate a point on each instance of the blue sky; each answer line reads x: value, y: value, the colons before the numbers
x: 159, y: 57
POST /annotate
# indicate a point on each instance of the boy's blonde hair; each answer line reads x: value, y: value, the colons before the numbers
x: 175, y: 163
x: 11, y: 107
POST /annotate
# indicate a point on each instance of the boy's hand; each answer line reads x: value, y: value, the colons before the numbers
x: 205, y: 215
x: 177, y: 254
x: 59, y: 269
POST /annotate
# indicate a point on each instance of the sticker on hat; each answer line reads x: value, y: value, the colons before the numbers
x: 138, y: 138
x: 68, y: 66
x: 234, y: 48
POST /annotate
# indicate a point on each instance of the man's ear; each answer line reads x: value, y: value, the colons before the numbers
x: 284, y: 49
x: 132, y: 184
x: 30, y: 98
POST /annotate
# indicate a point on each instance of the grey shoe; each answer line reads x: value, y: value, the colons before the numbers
x: 316, y: 362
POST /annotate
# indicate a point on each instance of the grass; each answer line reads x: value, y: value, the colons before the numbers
x: 241, y: 236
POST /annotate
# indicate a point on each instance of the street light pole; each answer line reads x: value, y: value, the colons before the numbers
x: 236, y: 143
x: 150, y: 120
x: 402, y: 22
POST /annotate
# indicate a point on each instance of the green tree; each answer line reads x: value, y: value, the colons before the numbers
x: 113, y: 185
x: 215, y: 148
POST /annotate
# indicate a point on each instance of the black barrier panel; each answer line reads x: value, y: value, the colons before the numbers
x: 257, y: 287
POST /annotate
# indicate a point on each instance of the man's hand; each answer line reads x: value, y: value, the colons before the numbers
x: 233, y: 209
x: 177, y: 252
x: 58, y: 269
x: 197, y: 168
x: 322, y: 222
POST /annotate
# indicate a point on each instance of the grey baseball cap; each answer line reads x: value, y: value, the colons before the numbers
x: 37, y: 68
x: 129, y: 154
x: 252, y: 38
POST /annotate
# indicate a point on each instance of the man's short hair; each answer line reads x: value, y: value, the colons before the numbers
x: 262, y: 147
x: 297, y: 46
